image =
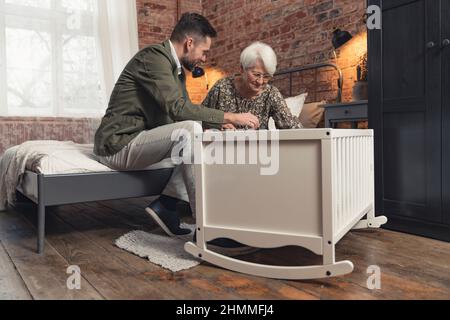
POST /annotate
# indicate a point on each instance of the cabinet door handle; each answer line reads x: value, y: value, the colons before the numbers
x: 431, y: 44
x: 445, y: 43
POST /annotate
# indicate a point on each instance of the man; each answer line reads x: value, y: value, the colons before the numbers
x: 149, y: 102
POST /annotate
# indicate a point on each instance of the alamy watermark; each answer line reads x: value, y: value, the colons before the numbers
x: 74, y: 280
x: 373, y: 17
x: 228, y: 148
x: 374, y: 280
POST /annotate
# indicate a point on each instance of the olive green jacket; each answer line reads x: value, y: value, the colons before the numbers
x: 149, y: 93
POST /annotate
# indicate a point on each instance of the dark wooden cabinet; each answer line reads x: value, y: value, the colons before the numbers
x: 445, y: 19
x: 409, y: 109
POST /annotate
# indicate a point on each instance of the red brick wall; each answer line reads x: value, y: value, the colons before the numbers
x: 157, y: 18
x: 299, y: 31
x: 16, y: 130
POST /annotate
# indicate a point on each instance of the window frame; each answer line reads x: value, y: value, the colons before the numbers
x: 56, y: 20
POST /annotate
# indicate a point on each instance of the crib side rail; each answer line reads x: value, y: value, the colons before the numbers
x: 352, y: 180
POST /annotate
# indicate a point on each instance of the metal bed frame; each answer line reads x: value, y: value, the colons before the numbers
x: 62, y: 189
x: 291, y: 71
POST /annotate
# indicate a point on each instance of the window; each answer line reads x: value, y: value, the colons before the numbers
x: 51, y: 58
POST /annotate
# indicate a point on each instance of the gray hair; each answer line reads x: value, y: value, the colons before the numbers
x: 262, y: 51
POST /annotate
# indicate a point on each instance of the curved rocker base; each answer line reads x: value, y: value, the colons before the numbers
x: 269, y: 271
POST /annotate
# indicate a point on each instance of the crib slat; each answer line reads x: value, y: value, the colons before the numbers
x: 344, y: 184
x: 341, y: 182
x: 371, y: 173
x: 344, y: 177
x: 368, y: 169
x: 351, y: 166
x: 363, y: 173
x: 357, y: 178
x: 349, y: 178
x: 361, y: 170
x: 339, y: 185
x: 347, y: 182
x: 352, y: 177
x: 334, y: 181
x: 360, y: 184
x: 365, y: 167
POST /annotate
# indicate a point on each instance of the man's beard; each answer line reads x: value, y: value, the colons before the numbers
x: 189, y: 65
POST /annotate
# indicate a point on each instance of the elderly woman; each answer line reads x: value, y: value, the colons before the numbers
x: 250, y: 92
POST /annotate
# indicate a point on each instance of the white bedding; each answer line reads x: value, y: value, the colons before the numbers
x: 58, y: 157
x: 69, y: 158
x: 47, y: 157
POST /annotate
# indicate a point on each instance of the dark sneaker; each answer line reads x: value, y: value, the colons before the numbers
x: 184, y: 209
x: 228, y: 247
x: 168, y: 220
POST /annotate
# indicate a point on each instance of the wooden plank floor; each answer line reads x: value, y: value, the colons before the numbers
x: 411, y: 267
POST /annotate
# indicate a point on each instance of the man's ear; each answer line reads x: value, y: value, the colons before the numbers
x: 189, y: 43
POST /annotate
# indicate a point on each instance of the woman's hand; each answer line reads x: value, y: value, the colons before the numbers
x: 228, y: 126
x: 242, y: 120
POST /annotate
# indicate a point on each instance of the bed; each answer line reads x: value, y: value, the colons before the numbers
x: 71, y: 174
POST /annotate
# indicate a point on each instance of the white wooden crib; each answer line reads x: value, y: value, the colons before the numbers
x: 323, y: 188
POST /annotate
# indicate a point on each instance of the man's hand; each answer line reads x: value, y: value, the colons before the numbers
x: 242, y: 120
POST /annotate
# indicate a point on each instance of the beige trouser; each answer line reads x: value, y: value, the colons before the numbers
x: 153, y: 146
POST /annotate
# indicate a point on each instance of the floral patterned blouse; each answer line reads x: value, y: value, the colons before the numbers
x: 270, y: 103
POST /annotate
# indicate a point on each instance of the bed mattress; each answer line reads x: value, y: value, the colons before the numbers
x: 55, y: 158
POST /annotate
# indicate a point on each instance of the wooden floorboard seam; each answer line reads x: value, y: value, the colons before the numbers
x: 47, y: 243
x: 15, y: 269
x: 136, y: 206
x: 116, y: 211
x: 364, y: 248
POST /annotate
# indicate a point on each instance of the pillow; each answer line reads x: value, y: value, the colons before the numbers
x: 295, y: 105
x: 312, y: 114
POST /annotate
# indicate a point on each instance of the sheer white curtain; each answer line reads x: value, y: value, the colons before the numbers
x: 62, y: 57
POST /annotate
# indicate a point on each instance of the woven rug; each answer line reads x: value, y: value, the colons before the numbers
x: 162, y: 250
